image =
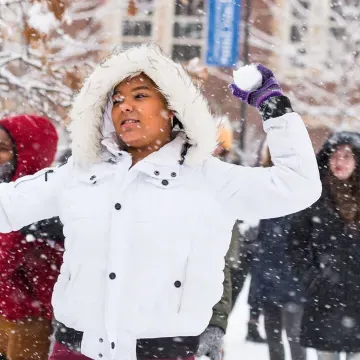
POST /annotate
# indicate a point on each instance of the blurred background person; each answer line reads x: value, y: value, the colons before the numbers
x: 273, y: 287
x: 241, y: 255
x: 29, y: 265
x: 324, y: 247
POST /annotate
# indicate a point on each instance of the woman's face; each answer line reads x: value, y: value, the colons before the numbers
x: 6, y: 148
x: 7, y: 157
x: 342, y: 162
x: 140, y: 116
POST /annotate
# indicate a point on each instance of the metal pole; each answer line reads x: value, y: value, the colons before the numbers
x: 248, y: 8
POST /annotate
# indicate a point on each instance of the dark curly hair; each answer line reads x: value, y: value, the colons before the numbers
x: 177, y: 125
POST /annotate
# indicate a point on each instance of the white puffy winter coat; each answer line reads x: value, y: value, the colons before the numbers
x: 145, y: 245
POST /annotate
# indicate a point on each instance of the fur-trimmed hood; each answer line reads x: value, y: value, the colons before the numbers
x: 183, y: 97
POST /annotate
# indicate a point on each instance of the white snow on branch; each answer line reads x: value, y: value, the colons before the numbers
x: 41, y: 19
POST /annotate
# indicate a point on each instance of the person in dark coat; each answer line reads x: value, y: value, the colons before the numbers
x: 324, y: 247
x: 244, y: 238
x: 273, y: 287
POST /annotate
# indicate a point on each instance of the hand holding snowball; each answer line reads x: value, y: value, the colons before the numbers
x: 254, y: 84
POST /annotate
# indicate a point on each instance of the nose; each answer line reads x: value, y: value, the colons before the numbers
x: 125, y: 106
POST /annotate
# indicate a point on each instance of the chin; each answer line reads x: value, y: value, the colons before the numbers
x: 342, y: 177
x: 134, y: 142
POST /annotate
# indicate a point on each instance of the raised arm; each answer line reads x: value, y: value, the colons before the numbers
x: 31, y: 198
x: 289, y: 186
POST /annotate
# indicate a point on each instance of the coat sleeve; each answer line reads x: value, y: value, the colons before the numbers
x: 31, y: 198
x: 289, y: 186
x: 222, y: 309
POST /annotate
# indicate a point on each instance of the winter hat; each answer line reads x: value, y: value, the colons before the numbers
x: 183, y: 97
x: 35, y: 140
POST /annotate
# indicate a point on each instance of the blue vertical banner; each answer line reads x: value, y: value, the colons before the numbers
x: 223, y: 32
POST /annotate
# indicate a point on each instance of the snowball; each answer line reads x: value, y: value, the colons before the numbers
x: 247, y: 78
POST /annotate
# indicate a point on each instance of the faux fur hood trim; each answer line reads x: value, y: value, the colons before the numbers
x: 173, y: 81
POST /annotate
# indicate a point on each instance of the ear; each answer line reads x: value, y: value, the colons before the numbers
x: 171, y: 117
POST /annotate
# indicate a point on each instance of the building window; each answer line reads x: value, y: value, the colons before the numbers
x: 188, y: 30
x: 298, y: 31
x: 137, y: 28
x: 343, y: 38
x: 189, y: 7
x: 186, y: 52
x: 318, y: 31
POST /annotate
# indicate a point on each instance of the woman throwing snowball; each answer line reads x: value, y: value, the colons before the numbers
x: 142, y: 139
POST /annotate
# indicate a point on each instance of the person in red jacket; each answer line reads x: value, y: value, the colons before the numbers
x: 29, y: 265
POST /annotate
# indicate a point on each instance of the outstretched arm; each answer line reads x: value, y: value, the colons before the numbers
x: 289, y: 186
x: 31, y: 198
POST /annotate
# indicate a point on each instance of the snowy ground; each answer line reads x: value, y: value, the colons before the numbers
x: 236, y: 348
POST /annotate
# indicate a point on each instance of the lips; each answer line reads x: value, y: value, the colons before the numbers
x: 129, y: 121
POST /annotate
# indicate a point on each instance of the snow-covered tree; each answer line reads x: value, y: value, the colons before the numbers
x: 46, y: 48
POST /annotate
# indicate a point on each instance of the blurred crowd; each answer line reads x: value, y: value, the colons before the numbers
x: 305, y: 268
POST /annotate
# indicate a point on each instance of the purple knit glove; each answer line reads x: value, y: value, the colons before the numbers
x: 269, y: 88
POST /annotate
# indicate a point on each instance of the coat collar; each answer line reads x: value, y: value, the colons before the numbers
x: 161, y: 164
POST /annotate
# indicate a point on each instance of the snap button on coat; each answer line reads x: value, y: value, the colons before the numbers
x: 112, y: 276
x: 165, y: 182
x: 177, y: 284
x: 117, y: 206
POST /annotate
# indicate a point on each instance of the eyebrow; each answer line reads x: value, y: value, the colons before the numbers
x: 141, y: 87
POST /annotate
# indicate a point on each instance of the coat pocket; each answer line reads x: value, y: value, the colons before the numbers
x: 170, y: 298
x: 181, y: 285
x: 61, y: 298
